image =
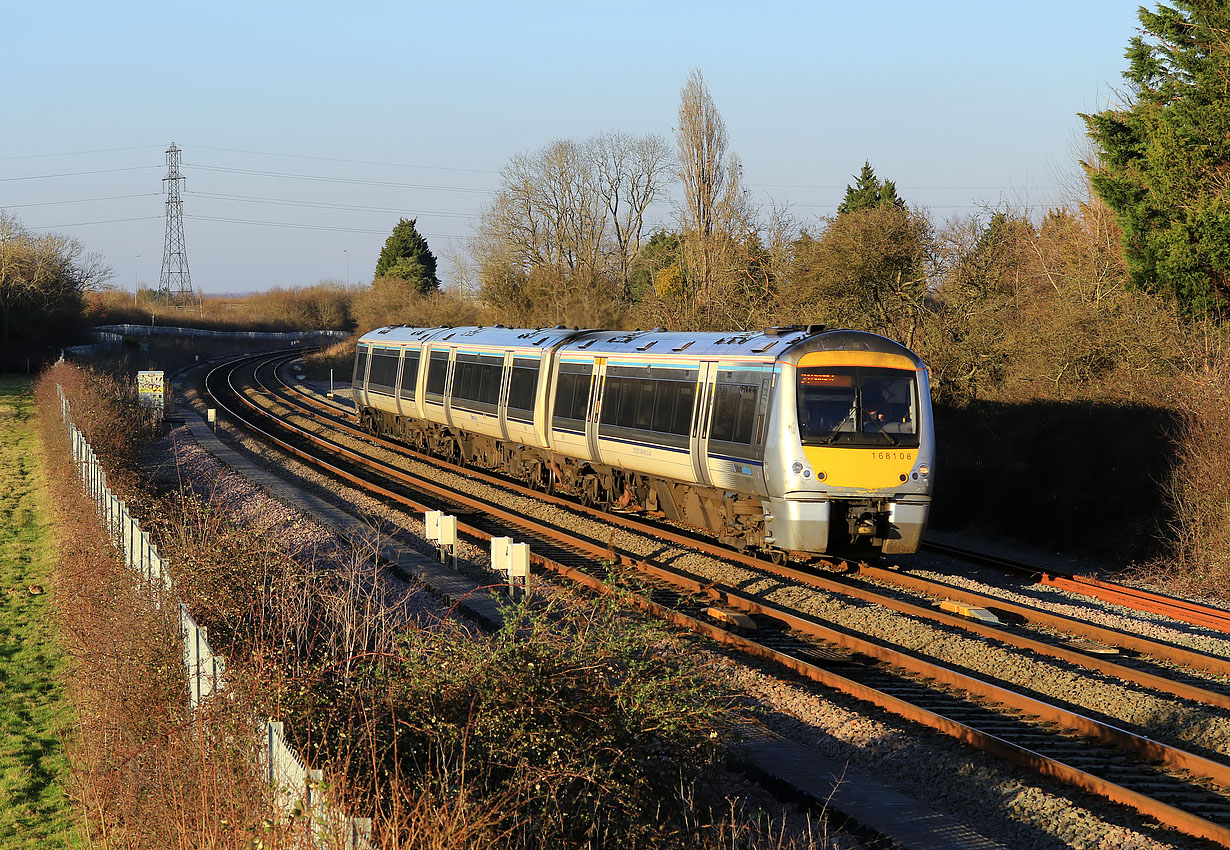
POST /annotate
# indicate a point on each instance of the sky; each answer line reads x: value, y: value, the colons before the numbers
x: 309, y: 129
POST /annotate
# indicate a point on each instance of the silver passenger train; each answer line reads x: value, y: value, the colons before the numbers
x: 796, y: 440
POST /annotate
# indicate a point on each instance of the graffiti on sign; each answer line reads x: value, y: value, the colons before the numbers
x: 152, y: 391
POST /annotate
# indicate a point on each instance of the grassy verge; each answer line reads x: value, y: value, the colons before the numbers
x: 33, y: 708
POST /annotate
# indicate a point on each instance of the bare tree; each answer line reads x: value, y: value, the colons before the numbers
x: 630, y: 173
x: 701, y: 137
x: 557, y: 241
x: 43, y: 278
x: 715, y: 219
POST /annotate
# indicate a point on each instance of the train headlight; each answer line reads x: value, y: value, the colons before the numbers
x: 924, y: 471
x: 797, y: 467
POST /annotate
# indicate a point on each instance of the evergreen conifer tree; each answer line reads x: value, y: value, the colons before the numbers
x: 868, y: 193
x: 1163, y: 157
x: 407, y: 257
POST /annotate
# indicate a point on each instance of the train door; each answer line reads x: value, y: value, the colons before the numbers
x: 595, y: 403
x: 737, y: 416
x: 437, y: 384
x: 699, y: 443
x: 501, y: 404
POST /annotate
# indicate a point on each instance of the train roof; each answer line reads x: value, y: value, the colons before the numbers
x: 787, y: 344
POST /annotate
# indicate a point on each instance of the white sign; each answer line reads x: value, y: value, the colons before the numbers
x: 153, y: 391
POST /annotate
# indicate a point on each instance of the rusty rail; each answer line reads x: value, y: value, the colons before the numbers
x: 1138, y: 599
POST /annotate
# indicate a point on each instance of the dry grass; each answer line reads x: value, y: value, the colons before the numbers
x: 325, y: 306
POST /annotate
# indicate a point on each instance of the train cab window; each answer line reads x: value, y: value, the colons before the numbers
x: 382, y: 376
x: 437, y: 374
x: 410, y: 375
x: 523, y: 384
x: 857, y: 406
x: 360, y: 365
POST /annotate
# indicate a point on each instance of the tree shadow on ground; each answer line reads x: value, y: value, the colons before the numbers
x: 1086, y: 479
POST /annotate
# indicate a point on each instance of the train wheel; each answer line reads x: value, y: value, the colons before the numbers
x: 592, y: 494
x: 777, y: 556
x: 539, y: 477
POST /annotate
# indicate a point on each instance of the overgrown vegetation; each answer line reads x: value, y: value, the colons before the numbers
x: 578, y: 725
x: 143, y: 772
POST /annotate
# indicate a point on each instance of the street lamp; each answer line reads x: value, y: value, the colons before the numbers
x: 134, y: 278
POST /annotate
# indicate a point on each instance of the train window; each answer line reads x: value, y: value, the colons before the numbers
x: 523, y: 384
x: 641, y: 400
x: 572, y: 392
x: 857, y: 406
x: 360, y: 364
x: 382, y: 375
x: 437, y: 374
x: 410, y: 374
x: 734, y: 413
x: 476, y: 381
x: 645, y: 398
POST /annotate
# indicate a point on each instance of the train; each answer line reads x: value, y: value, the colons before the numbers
x: 796, y: 441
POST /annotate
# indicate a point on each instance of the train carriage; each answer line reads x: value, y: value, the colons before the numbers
x: 792, y: 440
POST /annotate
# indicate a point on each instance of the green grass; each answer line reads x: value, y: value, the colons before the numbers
x: 33, y: 709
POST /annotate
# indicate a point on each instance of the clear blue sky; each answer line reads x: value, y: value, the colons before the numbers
x: 309, y: 128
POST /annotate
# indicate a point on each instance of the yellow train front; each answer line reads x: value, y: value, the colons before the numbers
x: 849, y: 459
x: 792, y: 440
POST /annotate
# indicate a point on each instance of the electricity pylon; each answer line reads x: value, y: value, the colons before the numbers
x: 175, y: 283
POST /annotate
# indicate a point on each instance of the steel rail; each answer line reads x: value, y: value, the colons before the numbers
x: 1179, y: 655
x: 1141, y: 747
x: 1138, y: 599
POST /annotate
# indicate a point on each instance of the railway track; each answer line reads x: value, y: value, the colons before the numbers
x: 1182, y: 789
x: 1137, y: 599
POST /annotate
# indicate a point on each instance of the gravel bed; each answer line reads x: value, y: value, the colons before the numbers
x: 985, y: 580
x: 1004, y: 803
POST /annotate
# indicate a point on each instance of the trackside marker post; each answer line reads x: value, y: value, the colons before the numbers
x: 519, y: 564
x: 499, y: 553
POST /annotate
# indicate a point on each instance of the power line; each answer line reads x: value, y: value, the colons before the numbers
x: 76, y: 173
x: 351, y: 161
x: 260, y: 173
x: 295, y: 226
x: 321, y: 205
x: 87, y: 223
x: 80, y: 201
x: 77, y: 153
x: 910, y: 188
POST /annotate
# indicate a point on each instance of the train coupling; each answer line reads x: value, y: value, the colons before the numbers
x: 865, y: 526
